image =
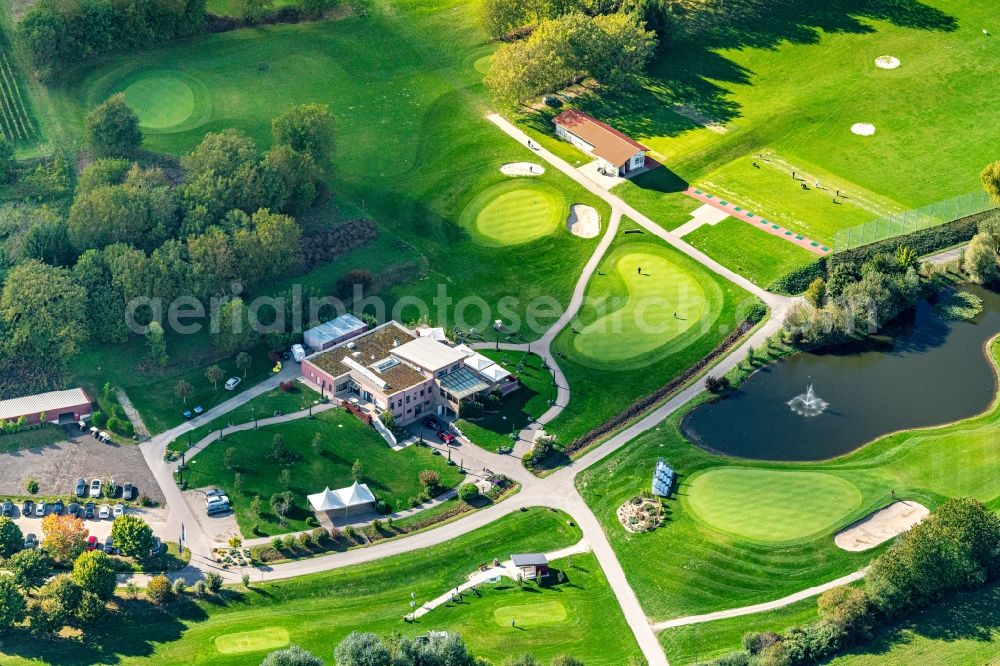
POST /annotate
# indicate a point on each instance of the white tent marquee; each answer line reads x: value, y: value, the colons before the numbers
x: 352, y: 499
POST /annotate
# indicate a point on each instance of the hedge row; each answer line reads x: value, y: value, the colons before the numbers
x: 922, y: 242
x: 641, y: 405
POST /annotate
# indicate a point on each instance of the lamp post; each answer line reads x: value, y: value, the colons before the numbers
x: 253, y: 413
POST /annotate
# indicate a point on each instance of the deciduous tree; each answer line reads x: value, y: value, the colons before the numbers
x: 29, y: 568
x: 292, y: 656
x: 183, y: 390
x: 113, y: 128
x: 156, y: 344
x: 13, y: 606
x: 11, y: 538
x: 214, y: 374
x: 132, y: 536
x: 94, y: 572
x: 63, y: 537
x: 306, y: 129
x: 981, y: 260
x: 991, y: 180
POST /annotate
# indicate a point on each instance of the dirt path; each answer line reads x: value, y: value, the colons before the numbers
x: 133, y: 414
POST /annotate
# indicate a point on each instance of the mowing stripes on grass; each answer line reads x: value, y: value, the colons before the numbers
x: 269, y: 638
x: 771, y: 505
x: 515, y: 212
x: 531, y: 615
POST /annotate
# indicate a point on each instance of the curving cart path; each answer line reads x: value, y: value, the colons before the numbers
x: 557, y: 490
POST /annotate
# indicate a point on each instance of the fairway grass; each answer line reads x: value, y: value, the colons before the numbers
x: 691, y: 566
x: 661, y: 302
x: 514, y: 213
x: 770, y: 505
x: 269, y: 638
x: 636, y: 364
x: 317, y: 611
x: 531, y: 615
x: 753, y: 253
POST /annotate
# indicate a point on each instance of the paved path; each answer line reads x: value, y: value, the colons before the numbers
x: 757, y: 221
x: 945, y: 256
x: 557, y: 490
x: 760, y: 608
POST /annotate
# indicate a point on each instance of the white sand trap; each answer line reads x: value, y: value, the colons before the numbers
x: 583, y: 221
x: 887, y: 62
x: 878, y: 527
x: 863, y: 129
x: 522, y: 169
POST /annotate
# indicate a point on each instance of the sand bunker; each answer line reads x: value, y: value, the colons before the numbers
x: 863, y: 129
x: 886, y: 62
x: 522, y: 169
x: 880, y: 526
x: 583, y: 221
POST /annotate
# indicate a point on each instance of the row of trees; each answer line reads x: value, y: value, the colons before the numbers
x: 982, y: 258
x: 611, y: 48
x: 955, y: 549
x: 55, y: 34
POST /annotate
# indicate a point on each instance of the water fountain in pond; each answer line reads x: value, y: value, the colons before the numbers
x: 808, y: 403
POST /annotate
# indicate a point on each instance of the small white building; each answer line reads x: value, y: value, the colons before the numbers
x: 616, y: 154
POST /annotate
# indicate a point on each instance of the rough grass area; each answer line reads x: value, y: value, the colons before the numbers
x: 754, y: 254
x: 688, y: 567
x: 681, y: 343
x: 698, y: 643
x: 31, y: 439
x: 370, y: 597
x: 392, y: 475
x: 517, y: 410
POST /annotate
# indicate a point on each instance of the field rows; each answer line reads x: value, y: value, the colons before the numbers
x: 15, y: 121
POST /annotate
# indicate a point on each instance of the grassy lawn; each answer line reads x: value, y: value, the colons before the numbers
x: 413, y: 147
x: 229, y: 7
x: 263, y: 406
x: 637, y: 331
x: 696, y: 643
x: 734, y: 85
x: 962, y: 630
x: 31, y: 439
x: 752, y: 253
x: 391, y: 475
x: 372, y: 597
x: 517, y: 410
x: 692, y: 565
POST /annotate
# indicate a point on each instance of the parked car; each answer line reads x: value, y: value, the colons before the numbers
x: 217, y: 508
x: 92, y: 542
x: 105, y: 511
x: 432, y: 423
x: 27, y: 508
x: 74, y: 509
x: 157, y: 546
x: 109, y: 545
x: 216, y: 499
x: 214, y: 492
x: 298, y: 353
x: 81, y: 488
x: 446, y: 437
x: 232, y: 383
x: 128, y: 490
x: 88, y: 510
x: 119, y: 510
x: 30, y: 541
x: 40, y: 509
x: 8, y: 508
x: 58, y: 507
x: 95, y: 488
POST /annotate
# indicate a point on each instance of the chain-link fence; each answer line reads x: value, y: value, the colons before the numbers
x: 909, y: 221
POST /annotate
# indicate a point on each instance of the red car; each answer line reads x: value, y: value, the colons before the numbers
x: 91, y: 542
x: 446, y: 437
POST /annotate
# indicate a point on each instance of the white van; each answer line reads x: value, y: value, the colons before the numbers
x: 298, y: 353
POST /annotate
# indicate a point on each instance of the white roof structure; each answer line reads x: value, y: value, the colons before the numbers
x: 486, y: 367
x: 478, y: 362
x: 432, y: 333
x: 342, y: 498
x: 429, y: 354
x: 495, y: 373
x: 51, y: 403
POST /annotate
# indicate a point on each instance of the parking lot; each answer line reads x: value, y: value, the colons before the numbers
x: 57, y: 467
x: 99, y: 528
x: 218, y: 527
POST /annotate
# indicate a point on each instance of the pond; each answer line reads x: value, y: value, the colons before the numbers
x: 921, y: 371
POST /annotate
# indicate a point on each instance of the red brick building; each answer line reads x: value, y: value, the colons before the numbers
x: 57, y: 406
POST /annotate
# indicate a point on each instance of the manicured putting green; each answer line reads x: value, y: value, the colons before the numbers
x: 771, y: 505
x: 531, y: 615
x: 515, y: 212
x: 663, y: 302
x: 268, y: 638
x: 160, y: 100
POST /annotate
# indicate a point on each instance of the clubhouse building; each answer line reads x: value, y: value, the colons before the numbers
x: 616, y: 154
x: 411, y: 374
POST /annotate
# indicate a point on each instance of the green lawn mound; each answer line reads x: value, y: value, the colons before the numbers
x: 515, y: 212
x: 269, y: 638
x: 482, y: 65
x: 160, y: 100
x: 531, y: 615
x: 771, y: 505
x: 663, y: 302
